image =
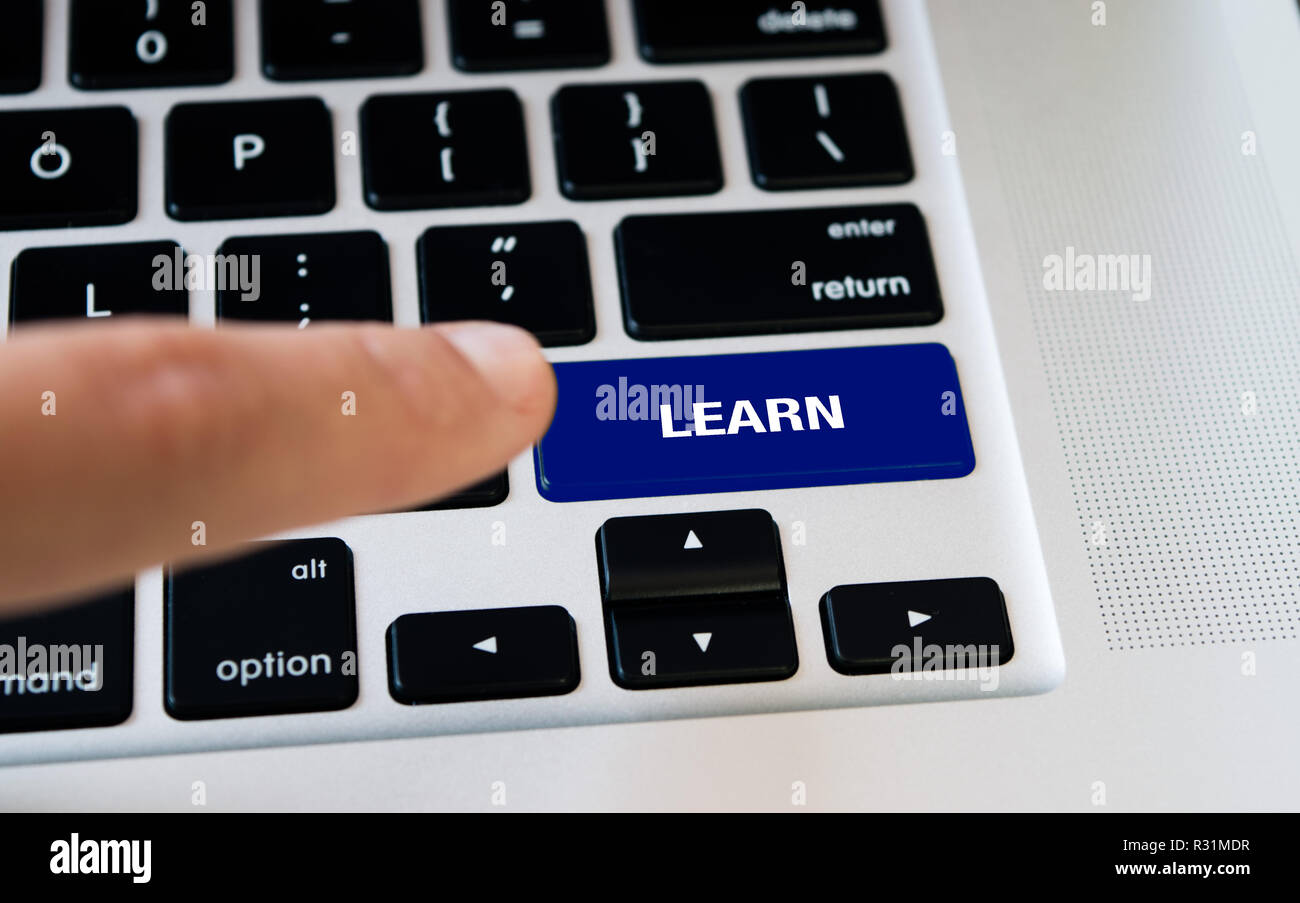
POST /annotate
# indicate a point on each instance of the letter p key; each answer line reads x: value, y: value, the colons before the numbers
x: 247, y: 147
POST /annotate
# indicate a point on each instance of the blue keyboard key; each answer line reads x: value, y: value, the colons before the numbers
x: 775, y: 420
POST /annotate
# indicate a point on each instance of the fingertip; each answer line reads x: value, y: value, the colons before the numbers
x: 510, y: 361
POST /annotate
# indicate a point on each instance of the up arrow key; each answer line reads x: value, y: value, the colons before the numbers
x: 693, y: 541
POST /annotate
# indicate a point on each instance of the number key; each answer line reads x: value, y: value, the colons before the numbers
x: 149, y: 43
x: 313, y: 39
x: 527, y: 34
x: 20, y: 47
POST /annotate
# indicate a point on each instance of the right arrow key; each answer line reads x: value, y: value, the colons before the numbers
x: 878, y: 628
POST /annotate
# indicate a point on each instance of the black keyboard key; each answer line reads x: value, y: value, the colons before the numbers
x: 454, y: 149
x: 67, y: 168
x: 249, y: 158
x: 20, y: 46
x: 687, y: 31
x: 691, y: 275
x: 534, y: 275
x: 304, y: 279
x: 316, y: 39
x: 68, y: 668
x: 134, y: 44
x: 490, y: 492
x: 644, y: 139
x: 700, y: 644
x: 683, y: 556
x: 272, y: 632
x: 878, y: 628
x: 98, y: 282
x: 485, y: 494
x: 498, y: 653
x: 832, y: 132
x: 695, y: 599
x: 527, y: 34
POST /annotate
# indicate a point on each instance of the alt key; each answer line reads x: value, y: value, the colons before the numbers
x: 270, y: 633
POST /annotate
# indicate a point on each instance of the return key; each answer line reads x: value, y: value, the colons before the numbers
x: 776, y: 271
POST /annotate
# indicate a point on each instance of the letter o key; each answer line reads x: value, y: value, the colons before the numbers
x: 151, y: 47
x: 45, y: 150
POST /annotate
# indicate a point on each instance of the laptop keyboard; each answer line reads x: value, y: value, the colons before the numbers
x: 710, y: 247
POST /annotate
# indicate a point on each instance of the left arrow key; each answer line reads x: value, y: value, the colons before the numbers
x: 439, y: 656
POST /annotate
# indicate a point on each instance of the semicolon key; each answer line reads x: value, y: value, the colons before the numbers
x: 305, y: 279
